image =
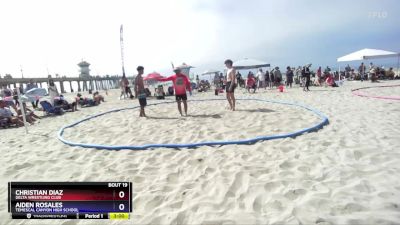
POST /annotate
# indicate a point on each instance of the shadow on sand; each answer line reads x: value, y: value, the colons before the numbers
x: 256, y: 110
x: 163, y: 118
x: 321, y: 90
x: 215, y: 116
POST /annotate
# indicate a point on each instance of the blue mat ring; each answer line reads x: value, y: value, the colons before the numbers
x: 324, y: 121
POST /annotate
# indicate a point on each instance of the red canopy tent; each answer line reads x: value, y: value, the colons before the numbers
x: 152, y: 76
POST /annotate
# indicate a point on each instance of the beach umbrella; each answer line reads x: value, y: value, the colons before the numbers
x: 247, y: 63
x: 152, y: 76
x: 34, y: 94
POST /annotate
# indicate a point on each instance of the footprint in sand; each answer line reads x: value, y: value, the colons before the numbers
x: 293, y: 194
x: 358, y: 155
x: 286, y: 165
x: 385, y: 194
x: 272, y: 186
x: 257, y: 204
x: 173, y: 177
x: 326, y: 143
x: 304, y: 169
x: 153, y: 203
x: 364, y: 186
x: 138, y: 179
x: 21, y: 166
x: 275, y: 205
x: 167, y: 189
x: 321, y: 221
x: 70, y: 223
x: 176, y: 205
x: 392, y: 205
x: 150, y: 160
x: 209, y: 170
x: 349, y: 208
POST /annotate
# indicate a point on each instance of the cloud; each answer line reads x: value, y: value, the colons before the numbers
x: 57, y: 35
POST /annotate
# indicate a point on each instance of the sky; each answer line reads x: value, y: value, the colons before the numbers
x: 52, y: 36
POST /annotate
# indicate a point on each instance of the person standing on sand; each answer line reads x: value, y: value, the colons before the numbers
x: 230, y: 83
x: 307, y: 75
x: 289, y: 77
x: 181, y: 83
x: 261, y: 79
x: 361, y: 71
x: 53, y: 92
x: 140, y: 91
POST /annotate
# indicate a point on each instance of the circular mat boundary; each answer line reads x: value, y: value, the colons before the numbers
x: 361, y: 94
x: 248, y: 141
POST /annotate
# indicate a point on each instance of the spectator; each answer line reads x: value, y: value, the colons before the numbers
x: 31, y: 86
x: 289, y: 77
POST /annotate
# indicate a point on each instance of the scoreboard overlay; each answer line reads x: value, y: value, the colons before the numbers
x: 70, y: 200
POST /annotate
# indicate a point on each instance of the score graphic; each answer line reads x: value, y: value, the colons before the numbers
x: 70, y: 200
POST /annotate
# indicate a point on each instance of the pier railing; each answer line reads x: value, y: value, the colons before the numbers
x: 84, y: 84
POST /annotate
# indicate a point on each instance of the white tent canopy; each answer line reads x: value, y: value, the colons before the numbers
x: 367, y: 53
x: 249, y: 64
x: 210, y: 72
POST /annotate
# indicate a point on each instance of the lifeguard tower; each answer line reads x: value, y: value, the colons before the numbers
x: 84, y: 69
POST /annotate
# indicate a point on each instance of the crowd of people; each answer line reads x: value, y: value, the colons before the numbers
x: 11, y: 111
x: 305, y: 77
x: 11, y: 105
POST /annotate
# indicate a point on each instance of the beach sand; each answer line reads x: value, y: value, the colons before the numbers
x: 346, y: 173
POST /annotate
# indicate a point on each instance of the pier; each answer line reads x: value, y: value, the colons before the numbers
x: 96, y: 83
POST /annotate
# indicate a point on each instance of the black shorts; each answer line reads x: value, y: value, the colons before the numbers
x: 181, y: 97
x: 143, y: 102
x: 228, y: 85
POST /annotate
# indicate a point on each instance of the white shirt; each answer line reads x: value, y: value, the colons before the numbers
x: 261, y: 76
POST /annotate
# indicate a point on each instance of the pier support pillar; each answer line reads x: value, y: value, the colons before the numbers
x: 79, y: 86
x: 62, y: 87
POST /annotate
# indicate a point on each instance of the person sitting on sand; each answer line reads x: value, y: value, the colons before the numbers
x: 374, y: 77
x: 98, y: 98
x: 64, y: 104
x: 390, y: 73
x: 8, y: 98
x: 30, y: 116
x: 251, y: 83
x: 329, y: 80
x: 83, y: 101
x: 181, y: 83
x: 5, y: 113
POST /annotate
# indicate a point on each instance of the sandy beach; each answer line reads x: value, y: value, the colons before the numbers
x: 346, y: 173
